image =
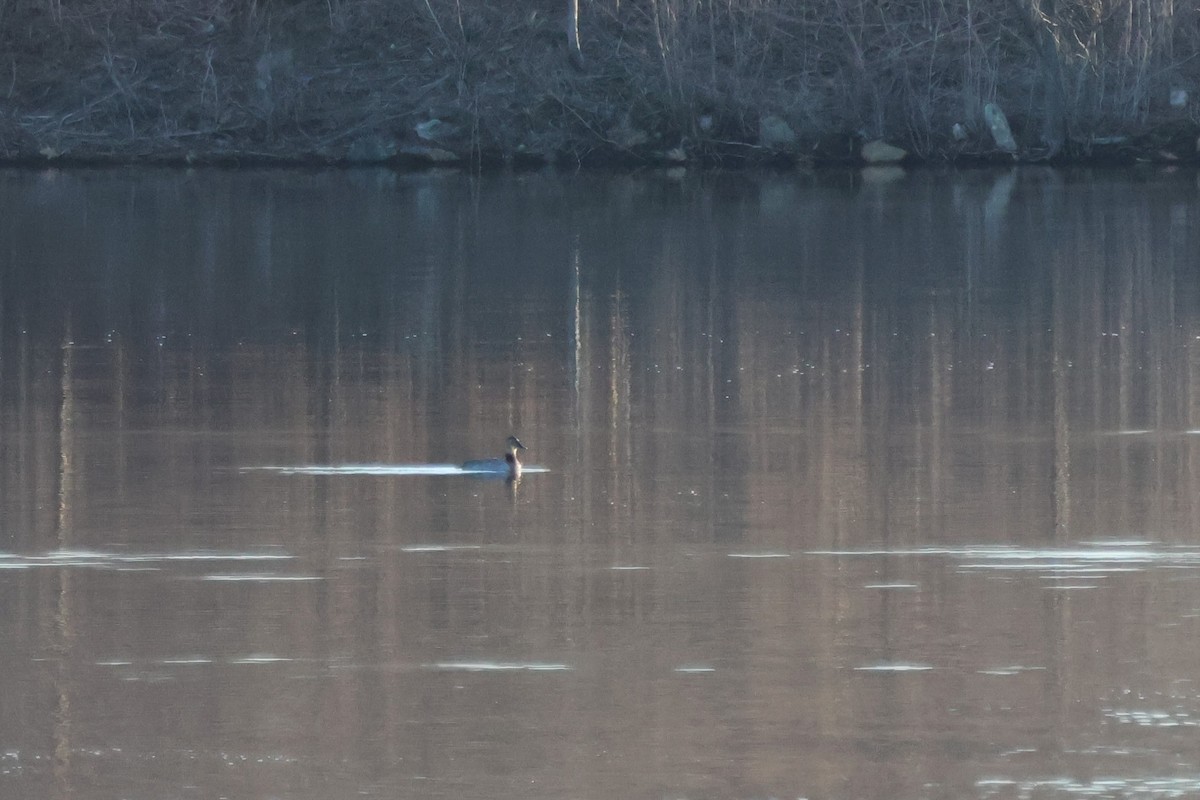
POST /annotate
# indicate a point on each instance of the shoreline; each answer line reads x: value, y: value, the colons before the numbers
x: 467, y: 84
x: 734, y: 156
x: 490, y: 163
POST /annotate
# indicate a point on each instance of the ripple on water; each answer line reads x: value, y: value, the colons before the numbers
x: 262, y: 577
x: 1152, y: 718
x: 375, y: 469
x: 439, y: 548
x: 12, y: 761
x: 1109, y: 786
x: 93, y: 559
x: 894, y: 666
x: 1014, y: 669
x: 196, y: 660
x: 1080, y: 567
x: 498, y: 666
x: 760, y: 555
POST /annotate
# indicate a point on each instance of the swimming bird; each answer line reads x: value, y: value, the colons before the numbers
x: 509, y: 465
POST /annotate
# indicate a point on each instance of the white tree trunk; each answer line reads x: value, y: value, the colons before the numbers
x: 573, y: 48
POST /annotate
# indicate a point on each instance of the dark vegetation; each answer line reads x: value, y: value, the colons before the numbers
x: 482, y: 82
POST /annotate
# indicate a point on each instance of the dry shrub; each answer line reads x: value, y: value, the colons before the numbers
x: 290, y: 77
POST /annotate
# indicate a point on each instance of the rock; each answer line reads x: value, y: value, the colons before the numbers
x: 998, y: 125
x: 775, y: 134
x: 880, y: 152
x: 627, y: 137
x: 676, y: 155
x: 435, y: 130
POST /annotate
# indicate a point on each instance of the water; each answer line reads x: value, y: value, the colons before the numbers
x: 848, y: 485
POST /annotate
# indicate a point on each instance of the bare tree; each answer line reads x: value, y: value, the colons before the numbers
x: 576, y: 53
x: 1045, y: 45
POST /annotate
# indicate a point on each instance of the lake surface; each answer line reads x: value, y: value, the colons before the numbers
x: 856, y: 485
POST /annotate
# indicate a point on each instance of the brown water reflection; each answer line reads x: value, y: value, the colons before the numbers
x: 860, y: 486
